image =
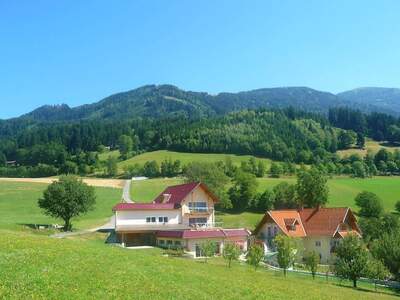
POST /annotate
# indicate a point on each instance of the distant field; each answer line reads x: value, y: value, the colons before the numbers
x: 18, y: 205
x: 370, y: 145
x: 38, y: 267
x: 186, y: 158
x: 147, y: 190
x: 342, y: 191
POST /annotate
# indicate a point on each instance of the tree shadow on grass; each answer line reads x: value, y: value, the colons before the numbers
x: 394, y: 291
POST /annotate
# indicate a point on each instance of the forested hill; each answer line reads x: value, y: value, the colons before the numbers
x: 385, y: 98
x: 160, y: 101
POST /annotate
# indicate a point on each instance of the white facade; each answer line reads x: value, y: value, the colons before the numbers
x: 140, y: 217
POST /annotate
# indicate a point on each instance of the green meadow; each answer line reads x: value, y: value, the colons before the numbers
x: 18, y: 206
x: 35, y: 266
x: 39, y: 267
x: 185, y: 158
x: 343, y: 190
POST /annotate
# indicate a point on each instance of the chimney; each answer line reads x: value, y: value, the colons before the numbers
x: 166, y: 198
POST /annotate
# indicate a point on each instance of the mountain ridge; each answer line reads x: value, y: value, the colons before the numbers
x: 168, y: 100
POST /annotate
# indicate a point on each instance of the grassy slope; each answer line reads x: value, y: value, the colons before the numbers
x: 186, y: 158
x: 342, y: 193
x: 33, y: 266
x: 18, y: 205
x: 343, y: 190
x: 370, y: 145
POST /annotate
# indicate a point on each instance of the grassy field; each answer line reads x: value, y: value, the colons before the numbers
x: 186, y: 158
x: 18, y: 205
x: 38, y: 267
x: 342, y: 190
x: 147, y: 190
x: 370, y: 145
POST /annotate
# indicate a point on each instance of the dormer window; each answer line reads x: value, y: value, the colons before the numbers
x: 291, y: 224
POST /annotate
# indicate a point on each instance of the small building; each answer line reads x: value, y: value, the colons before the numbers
x: 180, y: 216
x: 318, y: 229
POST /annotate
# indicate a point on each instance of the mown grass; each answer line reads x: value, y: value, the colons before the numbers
x: 343, y: 190
x: 18, y: 206
x: 147, y: 190
x: 186, y: 158
x: 38, y: 267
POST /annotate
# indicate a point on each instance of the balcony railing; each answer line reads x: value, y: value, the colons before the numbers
x: 200, y: 210
x: 205, y: 225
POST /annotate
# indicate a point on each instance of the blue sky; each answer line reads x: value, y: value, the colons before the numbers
x: 78, y: 52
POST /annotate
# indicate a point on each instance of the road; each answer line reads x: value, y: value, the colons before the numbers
x: 126, y: 192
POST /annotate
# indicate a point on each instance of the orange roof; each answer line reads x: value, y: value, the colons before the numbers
x: 312, y: 221
x: 322, y: 221
x: 282, y: 217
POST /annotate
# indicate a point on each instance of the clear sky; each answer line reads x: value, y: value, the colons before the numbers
x: 78, y: 52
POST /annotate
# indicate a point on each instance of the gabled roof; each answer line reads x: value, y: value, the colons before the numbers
x: 322, y: 221
x: 312, y: 221
x: 178, y: 192
x: 144, y: 206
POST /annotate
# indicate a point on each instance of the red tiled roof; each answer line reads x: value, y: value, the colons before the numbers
x: 179, y: 192
x: 322, y: 221
x: 198, y: 234
x: 236, y: 232
x: 202, y: 234
x: 143, y: 206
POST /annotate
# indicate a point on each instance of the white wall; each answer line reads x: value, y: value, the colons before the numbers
x: 129, y: 217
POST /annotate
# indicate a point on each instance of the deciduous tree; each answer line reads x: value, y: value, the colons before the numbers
x: 67, y: 198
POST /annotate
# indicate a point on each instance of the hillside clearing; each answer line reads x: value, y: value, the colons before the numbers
x: 187, y: 158
x: 34, y: 266
x: 370, y: 145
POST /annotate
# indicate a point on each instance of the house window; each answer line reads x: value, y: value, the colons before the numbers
x: 153, y: 219
x: 169, y: 242
x: 161, y: 242
x: 165, y: 219
x: 148, y: 220
x: 269, y: 231
x: 317, y: 243
x: 198, y: 206
x: 177, y: 243
x: 275, y: 230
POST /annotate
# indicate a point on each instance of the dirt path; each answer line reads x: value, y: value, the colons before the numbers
x: 115, y: 183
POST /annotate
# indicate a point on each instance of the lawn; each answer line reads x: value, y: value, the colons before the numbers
x: 147, y: 190
x: 18, y: 205
x: 343, y: 190
x: 186, y: 158
x: 39, y: 267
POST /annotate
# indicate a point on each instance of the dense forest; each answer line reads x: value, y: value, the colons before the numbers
x: 287, y: 135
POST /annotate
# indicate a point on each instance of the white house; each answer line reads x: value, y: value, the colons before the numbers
x: 182, y: 215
